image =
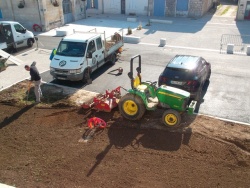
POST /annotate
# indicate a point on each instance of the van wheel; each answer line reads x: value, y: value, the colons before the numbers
x: 86, y: 77
x: 30, y: 43
x: 113, y: 59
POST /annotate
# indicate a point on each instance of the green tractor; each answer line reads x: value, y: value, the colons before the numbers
x: 145, y: 95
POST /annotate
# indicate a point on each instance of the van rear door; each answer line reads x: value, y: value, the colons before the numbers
x: 6, y: 34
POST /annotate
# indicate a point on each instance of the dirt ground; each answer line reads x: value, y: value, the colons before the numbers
x: 45, y: 146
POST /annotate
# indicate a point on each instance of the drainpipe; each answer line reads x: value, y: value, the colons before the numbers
x: 102, y: 6
x: 38, y: 6
x: 13, y: 15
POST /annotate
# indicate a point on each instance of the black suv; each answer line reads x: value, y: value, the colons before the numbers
x: 188, y: 73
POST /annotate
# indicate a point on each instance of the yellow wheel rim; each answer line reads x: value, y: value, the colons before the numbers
x: 130, y: 107
x: 171, y: 119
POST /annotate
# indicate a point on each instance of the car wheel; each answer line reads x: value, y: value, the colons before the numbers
x: 30, y: 43
x: 199, y: 94
x: 209, y: 74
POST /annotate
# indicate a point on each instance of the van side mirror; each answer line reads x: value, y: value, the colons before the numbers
x: 89, y: 55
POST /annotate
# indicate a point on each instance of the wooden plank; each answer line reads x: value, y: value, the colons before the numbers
x: 10, y: 58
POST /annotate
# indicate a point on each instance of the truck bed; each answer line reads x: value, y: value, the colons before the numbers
x: 113, y: 43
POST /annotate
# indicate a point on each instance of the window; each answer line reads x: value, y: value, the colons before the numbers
x: 19, y: 28
x: 75, y: 49
x: 91, y: 47
x: 92, y: 4
x: 99, y: 43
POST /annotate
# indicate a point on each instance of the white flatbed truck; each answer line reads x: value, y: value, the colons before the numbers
x: 81, y: 53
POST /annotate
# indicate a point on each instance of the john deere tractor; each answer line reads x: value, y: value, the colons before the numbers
x: 146, y: 96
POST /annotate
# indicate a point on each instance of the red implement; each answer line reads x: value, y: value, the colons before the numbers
x: 105, y: 102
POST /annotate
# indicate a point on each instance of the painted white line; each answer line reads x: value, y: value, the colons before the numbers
x: 222, y: 24
x: 224, y: 119
x: 150, y: 44
x: 182, y: 47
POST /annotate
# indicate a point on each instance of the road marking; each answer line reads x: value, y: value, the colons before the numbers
x: 224, y: 119
x: 182, y: 47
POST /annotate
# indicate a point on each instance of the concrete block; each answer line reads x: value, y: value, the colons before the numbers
x: 248, y: 50
x: 162, y: 42
x: 161, y: 21
x: 62, y: 32
x: 230, y: 48
x: 132, y: 19
x: 131, y: 39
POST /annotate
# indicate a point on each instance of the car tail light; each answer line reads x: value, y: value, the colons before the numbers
x: 192, y: 83
x: 163, y: 79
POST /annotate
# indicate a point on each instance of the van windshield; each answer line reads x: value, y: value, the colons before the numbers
x: 75, y: 49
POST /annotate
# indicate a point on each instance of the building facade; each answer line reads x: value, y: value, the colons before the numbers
x: 45, y: 15
x: 186, y: 8
x: 243, y: 12
x: 42, y: 15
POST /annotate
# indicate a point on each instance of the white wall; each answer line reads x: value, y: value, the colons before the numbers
x: 112, y: 6
x: 138, y: 7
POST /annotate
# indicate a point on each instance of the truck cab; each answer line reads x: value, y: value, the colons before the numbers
x: 14, y: 35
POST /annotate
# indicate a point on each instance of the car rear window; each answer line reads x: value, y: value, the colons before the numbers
x: 181, y: 73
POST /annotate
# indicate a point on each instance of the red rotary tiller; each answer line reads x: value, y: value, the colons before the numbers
x: 105, y: 102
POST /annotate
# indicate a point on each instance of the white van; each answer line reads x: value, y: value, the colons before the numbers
x: 14, y: 35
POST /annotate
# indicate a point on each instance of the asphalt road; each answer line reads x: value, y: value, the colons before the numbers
x: 225, y: 96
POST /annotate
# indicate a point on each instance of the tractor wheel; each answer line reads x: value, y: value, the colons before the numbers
x: 131, y: 107
x: 171, y: 118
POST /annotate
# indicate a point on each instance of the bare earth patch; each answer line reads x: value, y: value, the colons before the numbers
x: 41, y: 146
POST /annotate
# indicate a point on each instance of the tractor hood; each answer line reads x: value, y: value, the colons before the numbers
x: 172, y: 92
x: 66, y: 62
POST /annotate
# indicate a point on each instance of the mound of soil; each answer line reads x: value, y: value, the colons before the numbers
x: 50, y: 145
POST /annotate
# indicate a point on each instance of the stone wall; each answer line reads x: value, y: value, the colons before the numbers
x: 206, y: 6
x: 195, y: 8
x: 27, y: 16
x: 42, y: 12
x: 198, y: 8
x: 53, y: 15
x: 79, y: 10
x: 170, y: 8
x: 241, y: 9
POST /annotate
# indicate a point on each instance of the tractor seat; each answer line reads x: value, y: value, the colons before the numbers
x: 152, y: 102
x: 138, y: 85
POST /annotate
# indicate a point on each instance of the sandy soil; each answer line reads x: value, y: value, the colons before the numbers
x: 45, y: 146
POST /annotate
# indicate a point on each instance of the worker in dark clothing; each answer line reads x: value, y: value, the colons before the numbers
x: 36, y: 78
